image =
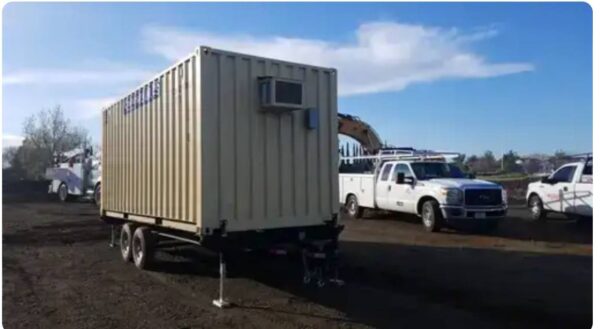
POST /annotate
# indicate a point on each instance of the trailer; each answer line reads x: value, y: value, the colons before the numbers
x: 227, y: 151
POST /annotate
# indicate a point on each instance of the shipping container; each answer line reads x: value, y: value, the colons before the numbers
x: 226, y: 148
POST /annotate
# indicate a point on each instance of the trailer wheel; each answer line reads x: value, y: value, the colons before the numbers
x: 431, y: 216
x: 125, y: 241
x: 97, y: 195
x: 352, y: 207
x: 63, y: 192
x: 142, y: 247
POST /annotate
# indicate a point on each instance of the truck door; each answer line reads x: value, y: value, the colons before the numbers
x: 559, y: 194
x: 401, y: 196
x: 383, y: 186
x: 584, y: 191
x: 75, y: 174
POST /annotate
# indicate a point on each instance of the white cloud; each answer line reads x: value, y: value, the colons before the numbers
x: 91, y: 107
x: 384, y: 56
x: 72, y: 76
x: 9, y: 140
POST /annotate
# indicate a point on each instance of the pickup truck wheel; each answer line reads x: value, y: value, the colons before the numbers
x: 63, y: 193
x: 352, y: 207
x: 142, y: 247
x: 431, y: 216
x: 536, y: 208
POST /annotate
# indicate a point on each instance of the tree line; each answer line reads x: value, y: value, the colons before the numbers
x: 511, y: 162
x: 46, y: 134
x: 49, y: 133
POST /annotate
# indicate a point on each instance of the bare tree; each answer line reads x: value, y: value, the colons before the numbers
x: 532, y: 165
x: 509, y: 162
x: 558, y: 159
x: 8, y: 155
x: 47, y: 133
x: 459, y: 161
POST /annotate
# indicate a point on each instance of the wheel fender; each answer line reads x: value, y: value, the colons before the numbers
x: 66, y: 184
x: 422, y: 199
x: 532, y: 193
x: 348, y: 197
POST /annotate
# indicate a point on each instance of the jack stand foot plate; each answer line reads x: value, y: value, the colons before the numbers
x: 221, y: 303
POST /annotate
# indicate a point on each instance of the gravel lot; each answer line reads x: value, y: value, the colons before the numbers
x: 58, y: 271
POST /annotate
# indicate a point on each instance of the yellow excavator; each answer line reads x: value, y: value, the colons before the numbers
x: 361, y: 131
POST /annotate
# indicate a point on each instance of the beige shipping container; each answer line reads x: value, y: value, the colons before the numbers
x: 223, y: 138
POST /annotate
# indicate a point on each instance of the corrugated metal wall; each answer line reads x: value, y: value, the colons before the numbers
x: 259, y: 169
x: 264, y: 169
x: 151, y: 142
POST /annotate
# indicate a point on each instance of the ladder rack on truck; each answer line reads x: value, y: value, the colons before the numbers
x: 582, y: 156
x: 385, y: 155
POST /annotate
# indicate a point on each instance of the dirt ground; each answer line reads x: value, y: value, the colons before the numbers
x: 58, y: 272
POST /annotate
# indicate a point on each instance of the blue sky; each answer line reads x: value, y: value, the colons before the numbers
x: 463, y: 77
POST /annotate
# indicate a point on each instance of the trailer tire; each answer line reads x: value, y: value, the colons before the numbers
x: 63, y: 192
x: 142, y: 248
x: 97, y: 194
x: 352, y: 208
x: 431, y: 216
x: 125, y: 241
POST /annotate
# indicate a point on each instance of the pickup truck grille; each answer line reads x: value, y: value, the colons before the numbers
x: 483, y: 197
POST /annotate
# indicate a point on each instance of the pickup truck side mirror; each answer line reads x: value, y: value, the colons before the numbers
x: 470, y: 176
x: 400, y: 178
x: 547, y: 180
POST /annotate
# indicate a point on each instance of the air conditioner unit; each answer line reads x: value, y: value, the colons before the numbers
x: 281, y: 94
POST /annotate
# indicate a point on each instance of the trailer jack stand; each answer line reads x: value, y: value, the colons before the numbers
x: 221, y: 302
x: 112, y: 236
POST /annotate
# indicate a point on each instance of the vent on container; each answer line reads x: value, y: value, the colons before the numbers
x: 282, y: 94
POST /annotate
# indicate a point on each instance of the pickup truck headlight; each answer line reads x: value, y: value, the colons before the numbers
x: 452, y: 196
x: 504, y: 196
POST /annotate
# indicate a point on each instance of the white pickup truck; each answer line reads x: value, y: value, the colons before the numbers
x: 435, y: 190
x: 568, y: 190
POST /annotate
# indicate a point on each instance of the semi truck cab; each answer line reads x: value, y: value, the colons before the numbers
x: 75, y: 174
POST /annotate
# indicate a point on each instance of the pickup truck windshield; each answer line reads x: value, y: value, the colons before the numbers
x: 429, y: 170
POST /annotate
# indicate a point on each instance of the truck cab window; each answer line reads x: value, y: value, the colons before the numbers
x: 564, y: 175
x: 431, y: 170
x: 402, y: 168
x: 385, y: 174
x: 588, y: 169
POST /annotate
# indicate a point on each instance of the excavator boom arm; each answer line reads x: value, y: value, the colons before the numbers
x: 361, y: 131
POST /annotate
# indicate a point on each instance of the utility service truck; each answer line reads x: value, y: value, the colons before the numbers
x: 230, y: 152
x: 567, y: 190
x: 76, y: 174
x: 421, y: 183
